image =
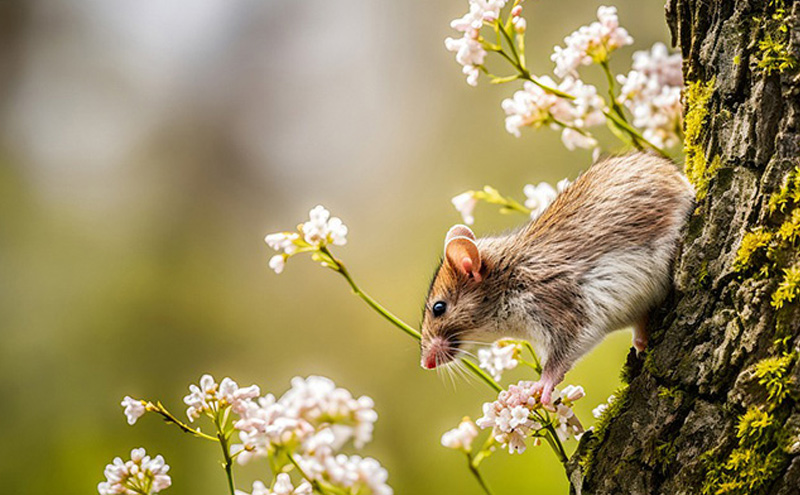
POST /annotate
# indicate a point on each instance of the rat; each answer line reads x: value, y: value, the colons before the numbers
x: 598, y: 259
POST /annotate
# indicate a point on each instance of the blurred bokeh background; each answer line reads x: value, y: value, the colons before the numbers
x: 147, y: 146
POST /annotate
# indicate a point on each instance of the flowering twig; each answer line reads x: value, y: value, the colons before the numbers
x: 578, y: 106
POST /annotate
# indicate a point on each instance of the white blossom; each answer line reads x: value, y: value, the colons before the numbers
x: 277, y: 263
x: 362, y: 475
x: 283, y: 486
x: 652, y: 92
x: 322, y: 229
x: 520, y: 25
x: 469, y: 50
x: 538, y: 197
x: 141, y: 474
x: 266, y: 422
x: 598, y: 411
x: 134, y: 409
x: 282, y: 241
x: 571, y: 393
x: 498, y: 358
x: 591, y: 44
x: 465, y: 204
x: 319, y: 231
x: 568, y: 424
x: 469, y: 53
x: 317, y: 400
x: 209, y: 396
x: 461, y: 437
x: 479, y: 11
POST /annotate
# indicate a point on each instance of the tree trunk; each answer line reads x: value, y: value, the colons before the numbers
x: 713, y: 405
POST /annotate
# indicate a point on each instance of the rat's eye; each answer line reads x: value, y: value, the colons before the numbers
x: 439, y: 307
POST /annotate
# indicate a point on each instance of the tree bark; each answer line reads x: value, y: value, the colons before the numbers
x: 723, y: 350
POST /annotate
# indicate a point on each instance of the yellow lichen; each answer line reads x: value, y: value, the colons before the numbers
x: 751, y: 242
x: 789, y: 192
x: 773, y: 374
x: 789, y: 231
x: 773, y: 53
x: 698, y: 171
x: 758, y: 458
x: 752, y: 425
x: 788, y: 288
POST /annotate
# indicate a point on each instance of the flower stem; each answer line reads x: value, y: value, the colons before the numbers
x: 315, y: 484
x: 618, y: 115
x: 475, y: 472
x: 538, y: 366
x: 159, y: 408
x: 555, y: 443
x: 339, y: 267
x: 477, y: 371
x: 524, y: 74
x: 634, y: 133
x: 226, y: 454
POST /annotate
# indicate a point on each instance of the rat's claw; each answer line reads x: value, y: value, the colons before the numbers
x: 545, y: 389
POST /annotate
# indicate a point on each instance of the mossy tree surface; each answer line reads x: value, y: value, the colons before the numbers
x: 714, y: 405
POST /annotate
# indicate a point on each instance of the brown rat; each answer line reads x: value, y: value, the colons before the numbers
x: 598, y: 259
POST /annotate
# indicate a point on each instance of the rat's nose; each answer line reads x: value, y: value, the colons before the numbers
x: 429, y: 361
x: 433, y: 352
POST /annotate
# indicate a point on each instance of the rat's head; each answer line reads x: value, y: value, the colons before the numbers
x: 454, y: 311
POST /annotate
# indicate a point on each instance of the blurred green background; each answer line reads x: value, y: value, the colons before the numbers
x: 147, y: 146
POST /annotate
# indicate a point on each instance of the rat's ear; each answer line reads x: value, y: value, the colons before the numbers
x: 462, y: 253
x: 458, y: 230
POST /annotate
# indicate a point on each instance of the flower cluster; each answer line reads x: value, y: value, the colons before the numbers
x: 591, y: 44
x: 308, y: 425
x: 359, y: 475
x: 141, y: 475
x: 498, y: 358
x: 517, y: 415
x: 283, y: 486
x: 539, y: 197
x: 534, y: 106
x: 313, y: 413
x: 265, y: 425
x: 469, y: 50
x: 461, y: 437
x: 652, y: 92
x: 210, y: 397
x: 319, y: 231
